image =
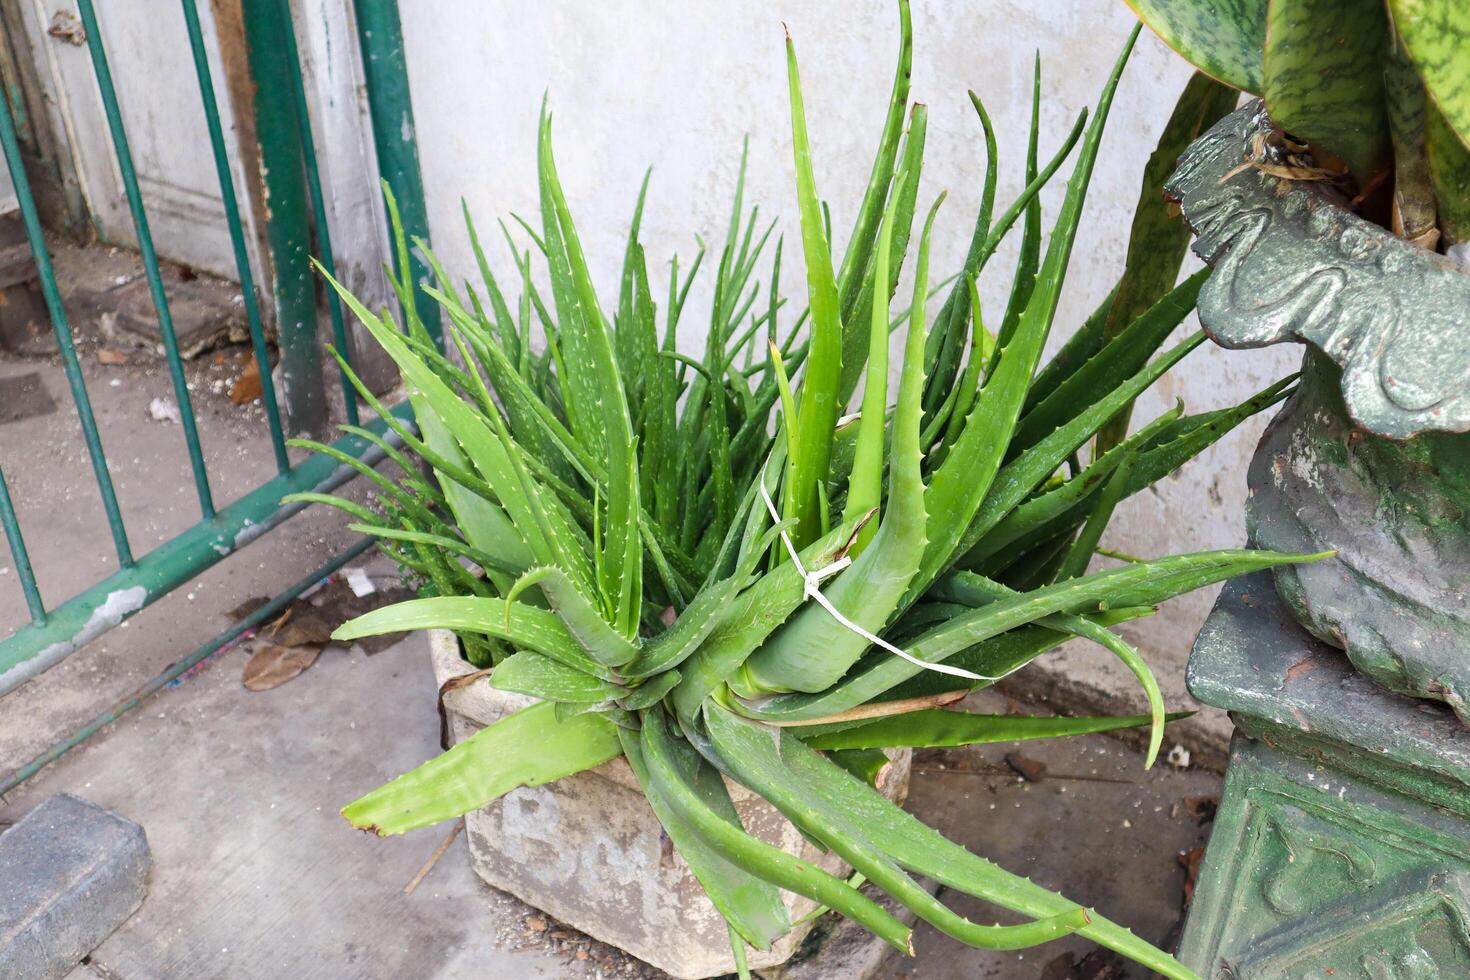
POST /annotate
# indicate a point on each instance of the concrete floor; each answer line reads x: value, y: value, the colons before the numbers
x: 256, y: 875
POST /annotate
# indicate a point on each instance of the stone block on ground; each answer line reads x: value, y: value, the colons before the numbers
x: 70, y: 874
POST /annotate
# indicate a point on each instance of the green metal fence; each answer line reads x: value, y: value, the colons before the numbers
x: 296, y: 228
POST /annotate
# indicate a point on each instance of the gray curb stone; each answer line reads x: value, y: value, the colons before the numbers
x: 70, y: 873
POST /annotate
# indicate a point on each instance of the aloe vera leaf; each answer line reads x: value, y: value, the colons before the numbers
x: 1119, y: 360
x: 982, y: 350
x: 1225, y: 39
x: 1437, y: 34
x: 593, y: 369
x: 921, y: 849
x: 1018, y: 478
x: 520, y: 624
x: 906, y: 194
x: 441, y: 541
x: 961, y: 484
x: 866, y: 764
x: 1086, y: 544
x: 751, y: 906
x: 938, y: 728
x: 652, y: 691
x: 583, y: 620
x: 819, y: 405
x: 407, y: 500
x: 759, y: 760
x: 505, y: 322
x: 628, y: 338
x: 1324, y: 78
x: 1039, y: 511
x: 1157, y: 240
x: 865, y: 479
x: 754, y: 615
x: 729, y: 840
x: 815, y: 649
x: 542, y: 677
x: 527, y: 748
x: 945, y: 344
x: 1143, y: 584
x: 880, y: 180
x: 1084, y: 343
x: 1028, y: 258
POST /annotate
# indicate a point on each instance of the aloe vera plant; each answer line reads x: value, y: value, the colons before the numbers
x: 701, y: 565
x: 1376, y: 88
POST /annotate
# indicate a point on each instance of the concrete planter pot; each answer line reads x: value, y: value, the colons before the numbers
x: 588, y: 850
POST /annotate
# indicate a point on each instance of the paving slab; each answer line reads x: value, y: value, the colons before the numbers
x: 72, y: 873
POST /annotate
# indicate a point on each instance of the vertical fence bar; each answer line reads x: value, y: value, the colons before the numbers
x: 237, y: 234
x: 146, y: 250
x: 62, y: 329
x: 319, y: 209
x: 287, y: 229
x: 11, y: 526
x: 385, y: 69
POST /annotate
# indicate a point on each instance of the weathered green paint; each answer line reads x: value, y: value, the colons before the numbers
x: 40, y: 645
x: 237, y: 233
x: 288, y: 228
x: 11, y: 526
x: 1342, y: 844
x: 385, y: 70
x: 151, y: 270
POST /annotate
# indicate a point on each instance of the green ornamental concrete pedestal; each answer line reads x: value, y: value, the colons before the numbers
x: 1341, y: 849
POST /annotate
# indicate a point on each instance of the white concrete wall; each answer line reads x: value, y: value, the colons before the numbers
x: 677, y: 85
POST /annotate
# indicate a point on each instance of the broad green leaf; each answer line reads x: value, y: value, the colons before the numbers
x: 1437, y: 34
x: 936, y: 727
x: 1414, y: 210
x: 527, y: 748
x: 1449, y: 167
x: 1225, y: 39
x: 1324, y: 79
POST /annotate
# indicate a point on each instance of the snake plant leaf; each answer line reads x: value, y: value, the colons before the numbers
x: 918, y: 847
x: 1414, y: 215
x: 751, y: 906
x: 1158, y: 240
x: 1449, y: 169
x: 516, y: 622
x: 1225, y: 39
x: 815, y: 649
x: 760, y: 859
x: 774, y: 767
x: 1141, y: 584
x: 1437, y: 34
x: 549, y: 680
x: 1324, y: 79
x: 528, y: 748
x: 819, y: 405
x: 938, y: 728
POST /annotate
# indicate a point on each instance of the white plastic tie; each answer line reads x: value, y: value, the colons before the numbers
x: 812, y: 589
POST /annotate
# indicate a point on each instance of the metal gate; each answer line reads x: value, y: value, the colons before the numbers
x: 296, y: 228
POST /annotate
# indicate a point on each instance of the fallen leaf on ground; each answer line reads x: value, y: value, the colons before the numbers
x: 1189, y: 860
x: 247, y: 386
x: 271, y: 665
x: 1029, y: 769
x: 107, y: 355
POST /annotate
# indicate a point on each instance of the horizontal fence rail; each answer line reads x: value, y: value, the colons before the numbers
x: 55, y: 632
